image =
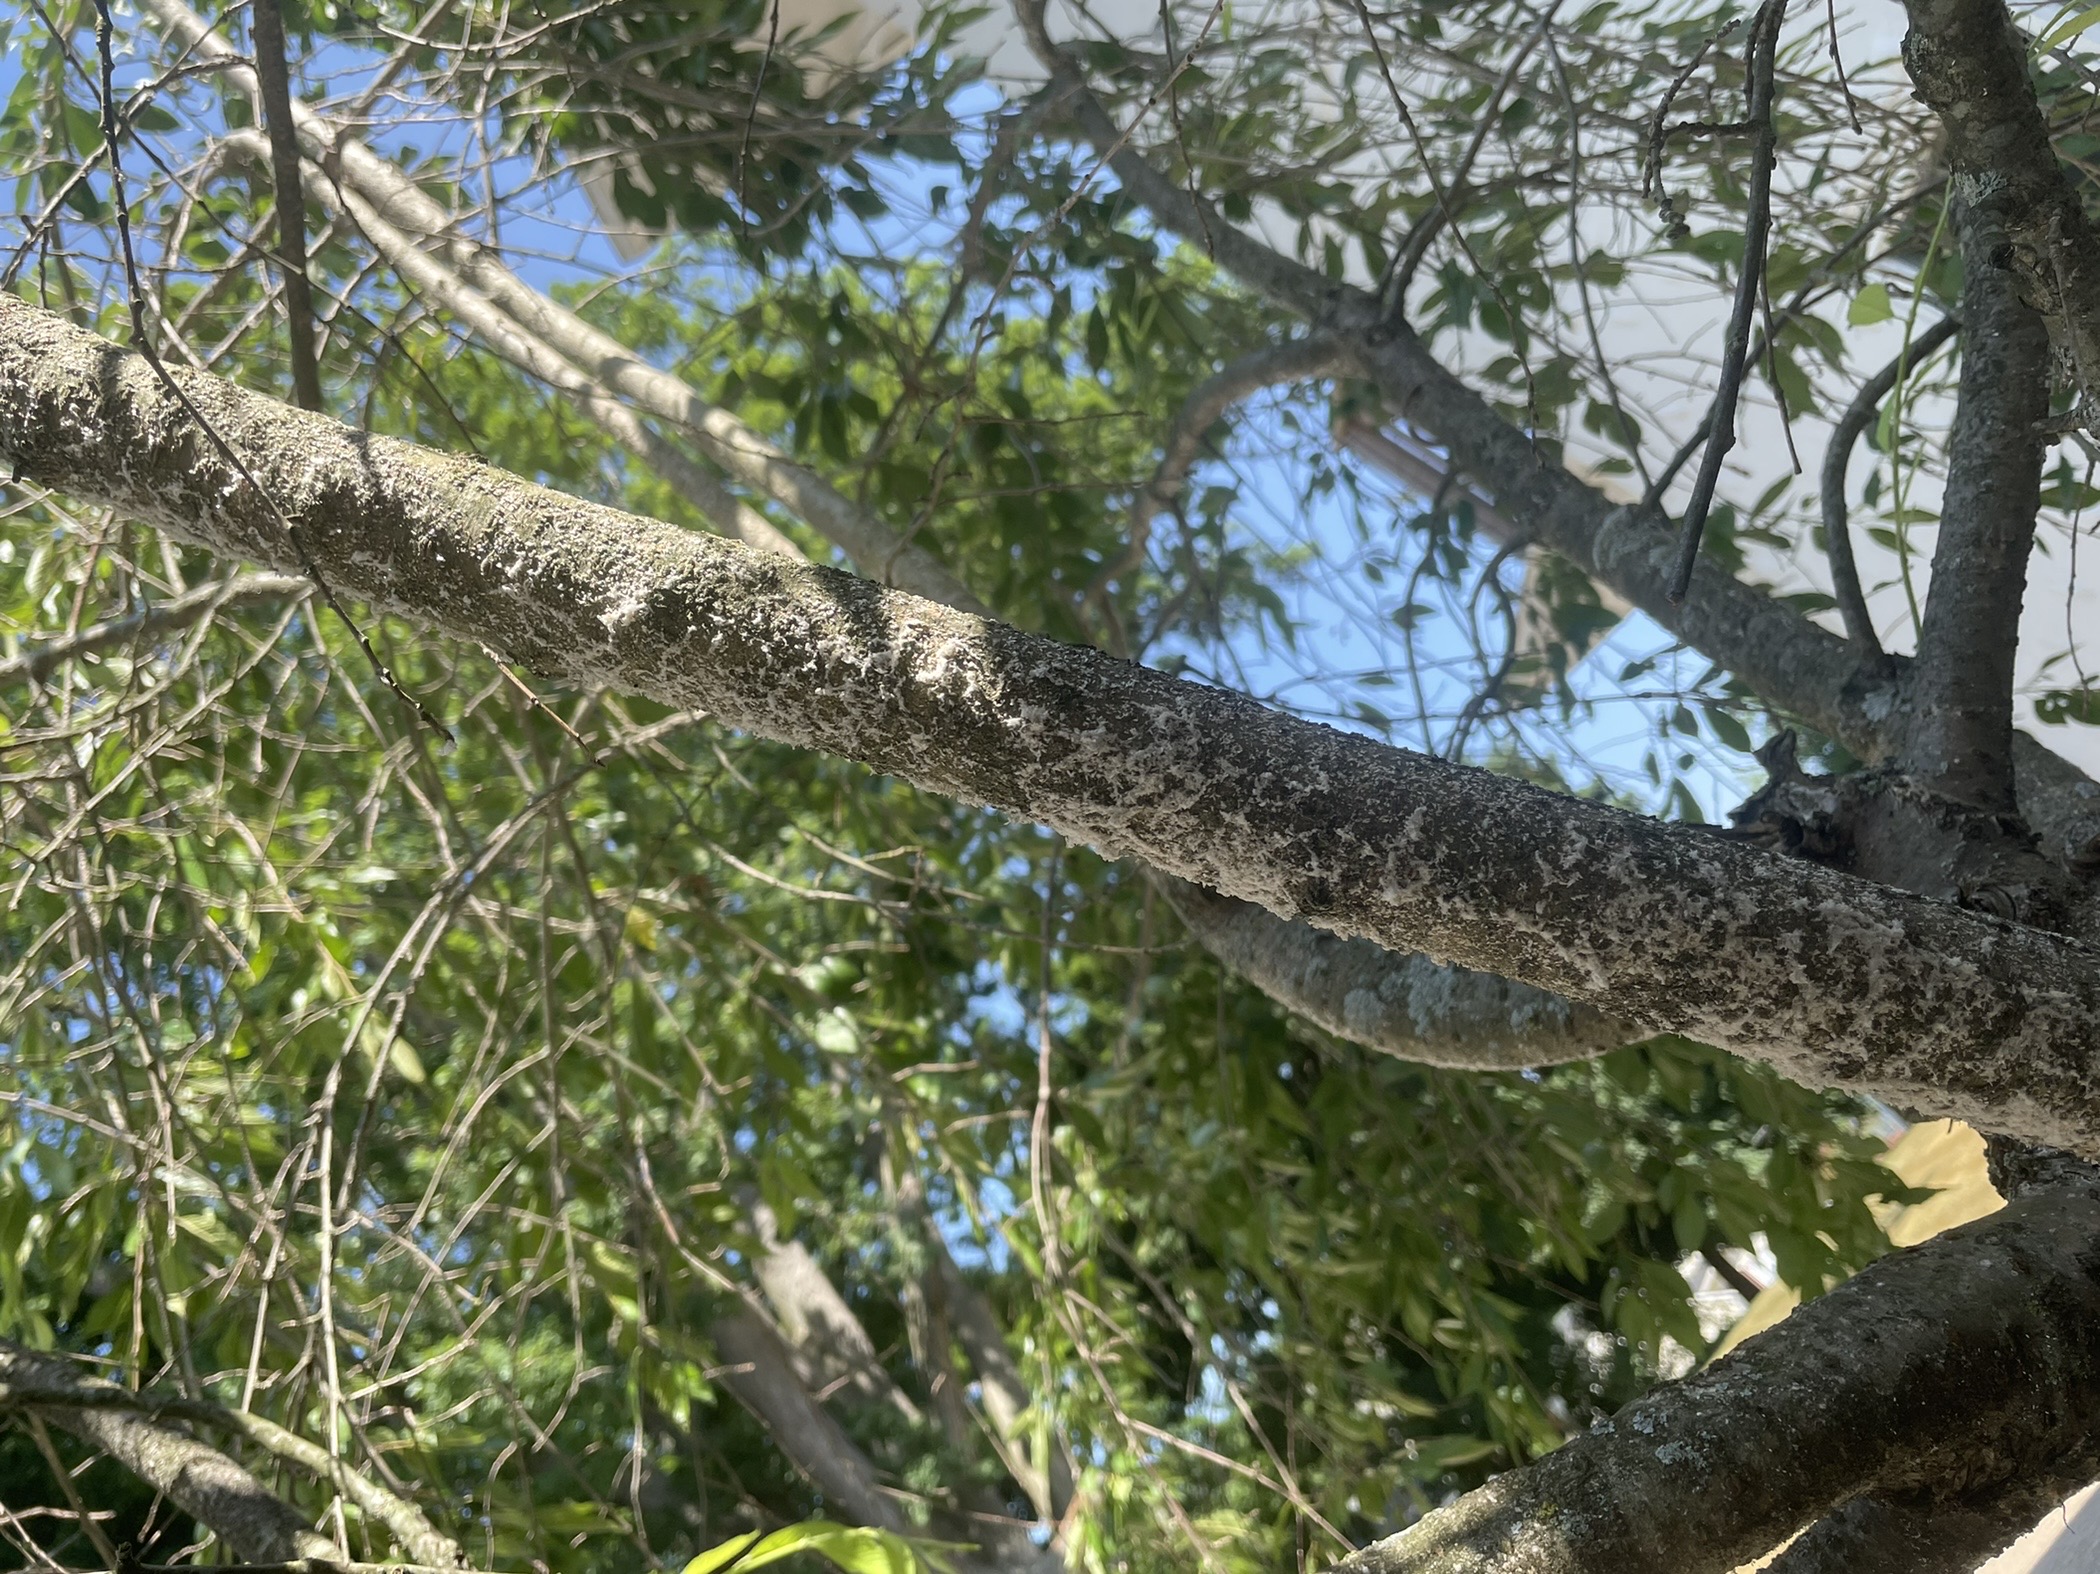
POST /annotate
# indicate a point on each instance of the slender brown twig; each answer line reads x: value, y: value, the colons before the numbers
x: 274, y: 75
x: 1764, y: 44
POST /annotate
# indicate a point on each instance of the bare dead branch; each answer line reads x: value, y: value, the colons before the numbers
x: 266, y: 21
x: 1206, y: 404
x: 1735, y: 349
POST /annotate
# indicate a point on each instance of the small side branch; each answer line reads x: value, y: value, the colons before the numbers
x: 1206, y: 404
x: 1409, y: 1007
x: 275, y: 77
x: 132, y: 1427
x: 1837, y: 459
x: 153, y: 622
x: 256, y: 1524
x: 1757, y: 224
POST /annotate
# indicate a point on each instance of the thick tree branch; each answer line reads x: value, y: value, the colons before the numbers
x: 256, y: 1525
x: 761, y: 1375
x: 1768, y: 644
x: 550, y: 343
x: 1997, y: 1323
x: 1831, y: 979
x: 1837, y: 688
x: 1959, y: 733
x: 1409, y: 1007
x: 816, y: 1321
x: 1923, y: 1532
x: 1837, y: 459
x: 1969, y: 62
x: 52, y: 1387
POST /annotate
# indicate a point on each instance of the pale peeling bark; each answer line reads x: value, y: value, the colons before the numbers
x: 1996, y: 1324
x: 256, y: 1525
x: 1832, y: 980
x: 1410, y: 1007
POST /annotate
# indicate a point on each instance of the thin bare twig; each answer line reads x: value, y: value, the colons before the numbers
x: 1837, y: 458
x: 275, y: 76
x: 1764, y: 44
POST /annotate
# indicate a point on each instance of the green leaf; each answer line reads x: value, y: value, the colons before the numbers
x: 2061, y: 705
x: 856, y: 1549
x: 1729, y: 730
x: 2070, y: 27
x: 1870, y: 305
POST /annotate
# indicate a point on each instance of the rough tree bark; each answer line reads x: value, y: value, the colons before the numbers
x: 1849, y: 693
x: 1997, y: 1323
x: 257, y: 1525
x: 1969, y: 62
x: 1833, y: 980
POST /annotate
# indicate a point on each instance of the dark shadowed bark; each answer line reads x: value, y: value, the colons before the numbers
x: 1924, y: 1532
x: 1970, y: 64
x: 1837, y: 459
x: 274, y: 77
x: 1965, y: 1360
x: 1959, y: 738
x: 1833, y: 980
